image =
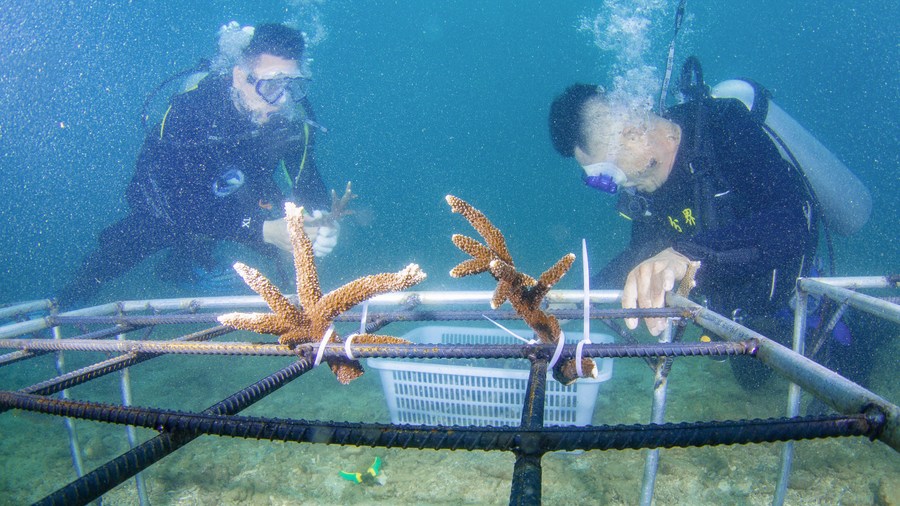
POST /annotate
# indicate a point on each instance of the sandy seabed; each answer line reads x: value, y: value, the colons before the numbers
x: 218, y: 470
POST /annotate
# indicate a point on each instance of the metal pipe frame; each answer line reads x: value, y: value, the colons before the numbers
x: 841, y: 290
x: 867, y: 414
x: 841, y: 394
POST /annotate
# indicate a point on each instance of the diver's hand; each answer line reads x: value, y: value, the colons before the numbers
x: 276, y: 232
x: 322, y: 231
x: 647, y: 284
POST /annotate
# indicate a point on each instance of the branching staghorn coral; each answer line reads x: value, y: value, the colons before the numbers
x: 309, y: 322
x: 523, y: 292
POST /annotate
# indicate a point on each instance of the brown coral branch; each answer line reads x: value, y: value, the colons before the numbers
x: 308, y: 323
x: 688, y: 282
x: 472, y: 247
x: 551, y: 276
x: 523, y: 292
x: 358, y: 290
x: 339, y: 206
x: 270, y: 293
x: 479, y: 221
x: 308, y: 290
x: 256, y: 322
x: 469, y: 267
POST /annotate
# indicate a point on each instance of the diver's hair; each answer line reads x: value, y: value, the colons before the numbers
x: 567, y: 117
x: 276, y: 40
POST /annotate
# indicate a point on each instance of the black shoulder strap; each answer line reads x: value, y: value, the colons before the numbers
x: 700, y: 162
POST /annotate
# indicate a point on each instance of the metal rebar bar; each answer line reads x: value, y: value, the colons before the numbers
x: 527, y: 472
x: 116, y: 471
x: 16, y: 356
x: 520, y: 351
x: 859, y: 282
x: 105, y: 367
x: 125, y: 390
x: 833, y: 389
x: 388, y: 299
x: 604, y: 437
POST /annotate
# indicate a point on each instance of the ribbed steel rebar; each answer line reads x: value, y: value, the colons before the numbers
x: 116, y: 471
x: 605, y: 437
x: 446, y: 351
x: 12, y: 358
x: 526, y: 480
x: 836, y: 391
x: 105, y: 367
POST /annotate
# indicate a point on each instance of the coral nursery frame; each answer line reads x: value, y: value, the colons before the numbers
x: 862, y: 412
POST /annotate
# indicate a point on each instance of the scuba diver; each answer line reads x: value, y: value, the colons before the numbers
x: 219, y: 166
x: 703, y: 183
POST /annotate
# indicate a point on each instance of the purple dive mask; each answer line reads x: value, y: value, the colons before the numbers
x: 604, y: 176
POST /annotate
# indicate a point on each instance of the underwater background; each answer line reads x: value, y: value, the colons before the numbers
x: 422, y: 99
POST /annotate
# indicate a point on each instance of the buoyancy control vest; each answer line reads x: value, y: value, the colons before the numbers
x: 844, y: 202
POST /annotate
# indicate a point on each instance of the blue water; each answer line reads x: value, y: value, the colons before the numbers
x: 421, y: 99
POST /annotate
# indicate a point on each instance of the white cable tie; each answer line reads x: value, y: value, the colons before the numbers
x: 517, y: 336
x: 559, y: 348
x: 347, y: 350
x: 365, y: 316
x: 578, y: 350
x: 322, y: 344
x: 586, y: 339
x: 585, y: 269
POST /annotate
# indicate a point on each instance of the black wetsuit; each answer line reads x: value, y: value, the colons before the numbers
x: 173, y: 196
x: 732, y: 202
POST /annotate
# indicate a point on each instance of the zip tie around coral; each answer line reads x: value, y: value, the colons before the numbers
x: 322, y: 343
x: 347, y: 345
x: 578, y: 349
x: 586, y: 339
x: 517, y: 336
x: 559, y: 347
x: 365, y: 316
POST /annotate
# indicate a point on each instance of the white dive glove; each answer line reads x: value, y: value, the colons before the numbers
x: 322, y: 232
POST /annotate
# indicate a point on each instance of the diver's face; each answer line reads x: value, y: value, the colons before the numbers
x: 617, y: 138
x: 265, y: 67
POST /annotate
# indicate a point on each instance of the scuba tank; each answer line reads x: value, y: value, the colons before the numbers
x: 843, y: 200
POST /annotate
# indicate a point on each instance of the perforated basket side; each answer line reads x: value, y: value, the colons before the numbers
x: 440, y: 394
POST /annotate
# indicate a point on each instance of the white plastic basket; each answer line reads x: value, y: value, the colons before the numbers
x: 430, y: 393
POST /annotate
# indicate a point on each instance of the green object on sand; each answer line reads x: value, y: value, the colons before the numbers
x: 369, y: 477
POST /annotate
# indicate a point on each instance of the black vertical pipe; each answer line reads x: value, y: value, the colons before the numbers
x: 526, y: 483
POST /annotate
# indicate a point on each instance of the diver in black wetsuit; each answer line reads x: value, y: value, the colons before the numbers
x: 702, y: 184
x: 220, y: 166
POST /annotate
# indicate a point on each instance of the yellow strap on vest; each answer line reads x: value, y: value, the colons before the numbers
x: 162, y: 124
x: 305, y: 151
x: 285, y: 175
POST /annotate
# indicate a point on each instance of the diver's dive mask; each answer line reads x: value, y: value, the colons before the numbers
x: 604, y: 176
x: 271, y: 90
